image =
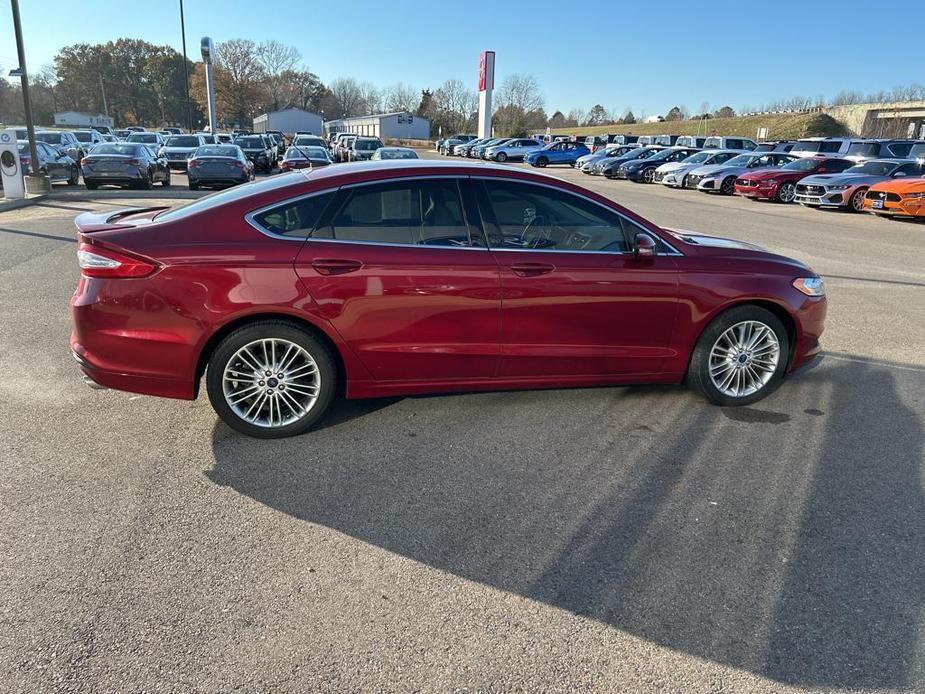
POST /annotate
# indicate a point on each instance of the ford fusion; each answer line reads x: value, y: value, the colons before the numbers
x: 411, y: 277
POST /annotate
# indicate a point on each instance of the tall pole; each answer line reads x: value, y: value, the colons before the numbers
x: 27, y: 103
x: 189, y: 110
x: 208, y: 49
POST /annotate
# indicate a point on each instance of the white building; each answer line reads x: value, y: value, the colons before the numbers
x: 400, y: 125
x: 79, y: 119
x: 289, y: 121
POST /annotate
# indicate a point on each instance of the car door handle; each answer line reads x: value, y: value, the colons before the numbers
x: 335, y: 266
x: 532, y: 269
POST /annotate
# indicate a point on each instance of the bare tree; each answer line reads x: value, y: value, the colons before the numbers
x: 276, y: 59
x: 347, y: 94
x: 400, y: 97
x: 239, y: 79
x: 371, y: 98
x: 520, y: 91
x: 454, y: 104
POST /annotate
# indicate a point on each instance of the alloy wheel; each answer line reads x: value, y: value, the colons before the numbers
x: 857, y: 200
x: 744, y: 358
x: 271, y: 382
x: 648, y: 175
x: 787, y: 192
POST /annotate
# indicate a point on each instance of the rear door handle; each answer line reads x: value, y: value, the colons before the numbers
x: 532, y: 269
x: 335, y: 266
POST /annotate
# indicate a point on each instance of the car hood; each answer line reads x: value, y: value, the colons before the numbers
x: 764, y: 174
x: 901, y: 185
x: 732, y: 248
x: 841, y: 179
x: 717, y: 169
x: 673, y: 166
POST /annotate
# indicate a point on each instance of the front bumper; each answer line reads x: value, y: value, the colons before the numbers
x: 904, y: 208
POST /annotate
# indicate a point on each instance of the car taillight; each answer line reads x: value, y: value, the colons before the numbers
x: 133, y: 162
x: 102, y: 262
x: 192, y: 163
x: 284, y: 166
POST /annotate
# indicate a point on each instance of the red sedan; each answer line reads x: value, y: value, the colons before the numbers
x: 399, y: 278
x: 780, y: 183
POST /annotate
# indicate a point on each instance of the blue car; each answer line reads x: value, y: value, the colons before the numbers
x: 557, y: 153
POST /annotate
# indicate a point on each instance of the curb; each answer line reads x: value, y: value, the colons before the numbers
x: 7, y: 205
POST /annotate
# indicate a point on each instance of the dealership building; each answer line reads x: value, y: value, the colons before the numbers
x: 400, y: 125
x: 289, y: 120
x: 80, y: 119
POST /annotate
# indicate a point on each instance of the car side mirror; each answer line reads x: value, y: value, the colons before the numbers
x: 899, y: 174
x: 644, y: 246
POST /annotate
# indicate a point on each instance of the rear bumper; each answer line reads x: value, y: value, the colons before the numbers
x: 102, y: 379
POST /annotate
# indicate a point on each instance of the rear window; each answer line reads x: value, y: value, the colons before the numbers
x: 124, y: 150
x: 83, y: 136
x: 228, y: 195
x: 217, y: 151
x: 147, y: 138
x: 50, y: 138
x: 250, y: 142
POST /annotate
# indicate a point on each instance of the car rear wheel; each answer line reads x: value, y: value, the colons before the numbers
x: 648, y: 175
x: 786, y: 192
x: 857, y: 200
x: 728, y: 186
x: 502, y: 157
x: 740, y: 357
x: 91, y: 185
x: 271, y: 380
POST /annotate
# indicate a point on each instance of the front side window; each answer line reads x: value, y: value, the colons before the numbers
x: 536, y: 217
x: 427, y: 213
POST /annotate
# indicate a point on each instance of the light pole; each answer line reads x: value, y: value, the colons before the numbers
x: 39, y: 184
x: 189, y: 111
x: 208, y: 49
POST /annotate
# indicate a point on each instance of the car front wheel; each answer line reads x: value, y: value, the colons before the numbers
x: 740, y: 358
x: 271, y: 380
x: 857, y: 200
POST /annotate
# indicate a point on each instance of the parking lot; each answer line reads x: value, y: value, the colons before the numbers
x: 617, y: 539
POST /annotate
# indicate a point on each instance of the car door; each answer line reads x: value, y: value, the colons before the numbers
x: 576, y: 301
x: 407, y: 280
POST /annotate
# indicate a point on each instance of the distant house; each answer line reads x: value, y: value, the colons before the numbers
x: 400, y: 125
x: 81, y: 119
x: 655, y: 119
x: 289, y: 120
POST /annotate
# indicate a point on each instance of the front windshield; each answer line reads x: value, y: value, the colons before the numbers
x: 699, y: 158
x: 664, y: 154
x: 50, y: 138
x: 308, y: 140
x: 216, y: 151
x: 801, y: 165
x: 741, y: 160
x: 639, y: 151
x: 872, y: 168
x: 124, y: 150
x: 182, y: 141
x: 83, y: 136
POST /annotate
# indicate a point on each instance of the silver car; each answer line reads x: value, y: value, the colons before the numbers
x: 63, y: 141
x: 153, y: 141
x: 586, y: 163
x: 674, y: 173
x: 868, y: 150
x: 847, y: 189
x: 513, y: 150
x: 721, y: 178
x: 179, y: 148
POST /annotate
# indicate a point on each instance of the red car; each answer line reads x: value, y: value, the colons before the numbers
x: 780, y: 183
x: 407, y: 277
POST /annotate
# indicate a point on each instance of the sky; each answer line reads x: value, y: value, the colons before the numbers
x: 608, y: 52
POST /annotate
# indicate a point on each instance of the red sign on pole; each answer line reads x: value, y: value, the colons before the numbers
x: 482, y: 72
x: 486, y: 70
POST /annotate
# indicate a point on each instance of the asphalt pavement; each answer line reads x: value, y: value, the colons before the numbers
x: 610, y: 539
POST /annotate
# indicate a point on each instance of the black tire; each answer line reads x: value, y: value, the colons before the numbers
x: 74, y: 178
x: 502, y: 157
x: 698, y: 372
x: 146, y: 183
x: 166, y: 182
x: 859, y: 194
x: 278, y: 329
x: 542, y: 162
x: 91, y: 185
x: 648, y: 176
x: 193, y: 186
x: 728, y: 186
x: 785, y: 192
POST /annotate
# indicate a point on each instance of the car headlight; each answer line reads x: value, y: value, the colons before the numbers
x: 841, y: 187
x: 811, y: 286
x: 914, y: 196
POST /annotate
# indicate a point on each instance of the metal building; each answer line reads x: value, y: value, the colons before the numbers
x: 289, y: 121
x: 400, y: 125
x: 81, y: 119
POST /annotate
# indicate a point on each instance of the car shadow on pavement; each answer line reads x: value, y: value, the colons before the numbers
x: 784, y: 538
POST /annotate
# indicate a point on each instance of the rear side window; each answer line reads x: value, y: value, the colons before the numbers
x: 296, y: 218
x: 830, y: 147
x: 540, y: 218
x: 425, y: 212
x: 900, y: 149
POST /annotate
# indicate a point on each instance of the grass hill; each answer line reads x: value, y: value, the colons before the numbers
x: 781, y: 126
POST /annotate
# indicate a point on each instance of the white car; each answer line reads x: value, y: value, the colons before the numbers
x: 721, y: 178
x: 673, y: 173
x: 821, y: 147
x: 513, y: 150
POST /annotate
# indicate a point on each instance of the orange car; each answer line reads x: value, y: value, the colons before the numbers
x: 897, y: 198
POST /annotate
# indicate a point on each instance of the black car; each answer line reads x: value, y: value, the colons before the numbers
x: 609, y: 166
x: 127, y: 164
x: 643, y: 170
x: 58, y: 166
x: 213, y: 165
x: 257, y: 149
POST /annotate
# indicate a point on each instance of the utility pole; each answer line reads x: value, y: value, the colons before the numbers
x: 27, y: 102
x: 189, y: 110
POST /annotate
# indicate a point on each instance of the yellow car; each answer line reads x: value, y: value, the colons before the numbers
x: 897, y: 198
